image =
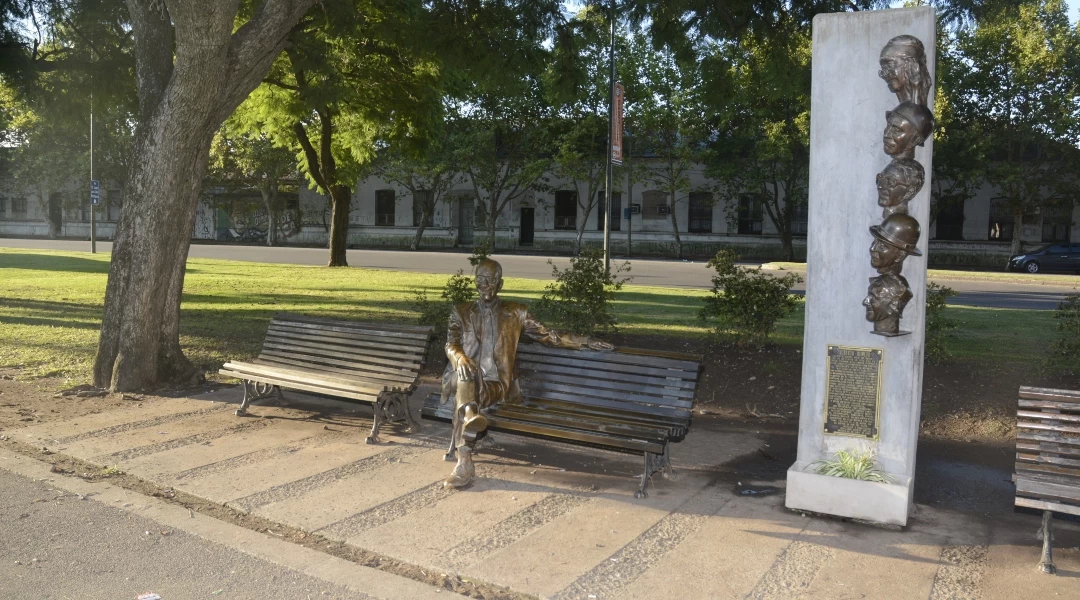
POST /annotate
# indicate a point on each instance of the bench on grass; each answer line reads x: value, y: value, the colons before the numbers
x: 631, y: 401
x: 1048, y: 458
x: 375, y: 363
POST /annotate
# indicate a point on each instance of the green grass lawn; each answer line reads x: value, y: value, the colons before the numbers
x: 51, y: 306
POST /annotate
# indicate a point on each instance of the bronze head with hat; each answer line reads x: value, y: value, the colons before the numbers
x: 903, y: 67
x: 896, y: 238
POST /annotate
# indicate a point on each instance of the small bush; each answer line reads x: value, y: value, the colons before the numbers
x: 746, y: 302
x: 1064, y: 354
x: 938, y: 324
x: 458, y: 289
x: 579, y: 300
x: 480, y: 251
x: 851, y: 465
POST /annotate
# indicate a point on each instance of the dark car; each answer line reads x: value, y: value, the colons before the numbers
x: 1054, y: 257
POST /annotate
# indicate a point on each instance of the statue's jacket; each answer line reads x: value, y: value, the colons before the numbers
x: 465, y: 334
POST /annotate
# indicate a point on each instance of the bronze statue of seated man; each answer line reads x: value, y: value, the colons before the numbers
x: 481, y: 345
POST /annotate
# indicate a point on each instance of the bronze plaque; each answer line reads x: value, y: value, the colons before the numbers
x: 853, y: 391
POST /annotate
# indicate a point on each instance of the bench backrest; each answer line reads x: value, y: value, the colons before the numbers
x: 631, y: 380
x: 378, y: 351
x: 1048, y: 448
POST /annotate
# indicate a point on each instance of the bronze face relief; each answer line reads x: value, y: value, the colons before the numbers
x: 481, y: 345
x: 908, y: 125
x: 903, y: 67
x: 898, y: 184
x: 885, y: 301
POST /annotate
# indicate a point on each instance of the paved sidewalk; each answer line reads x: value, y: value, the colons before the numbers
x: 549, y: 521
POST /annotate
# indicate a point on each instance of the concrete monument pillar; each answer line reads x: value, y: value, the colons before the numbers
x: 862, y: 380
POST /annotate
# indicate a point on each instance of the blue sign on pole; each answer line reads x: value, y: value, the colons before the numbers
x: 95, y: 192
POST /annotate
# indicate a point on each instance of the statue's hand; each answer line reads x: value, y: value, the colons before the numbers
x: 466, y: 369
x: 600, y: 345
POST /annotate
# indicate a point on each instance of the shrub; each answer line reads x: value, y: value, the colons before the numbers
x: 480, y: 251
x: 579, y: 300
x: 1064, y: 354
x: 746, y: 302
x: 938, y: 324
x: 458, y: 289
x: 851, y: 465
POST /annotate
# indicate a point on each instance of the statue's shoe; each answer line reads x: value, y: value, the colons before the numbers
x: 475, y: 424
x: 464, y: 472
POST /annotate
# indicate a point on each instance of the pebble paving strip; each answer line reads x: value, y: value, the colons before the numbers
x: 609, y: 578
x: 318, y: 480
x: 179, y: 442
x: 141, y: 424
x: 792, y: 572
x: 429, y: 495
x: 260, y: 455
x: 513, y: 528
x: 959, y: 574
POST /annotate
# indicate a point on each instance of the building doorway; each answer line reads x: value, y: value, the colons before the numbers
x: 528, y: 225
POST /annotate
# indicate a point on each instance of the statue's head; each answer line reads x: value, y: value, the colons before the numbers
x: 899, y: 182
x: 885, y: 301
x: 903, y: 67
x: 908, y: 125
x: 896, y: 238
x: 489, y: 279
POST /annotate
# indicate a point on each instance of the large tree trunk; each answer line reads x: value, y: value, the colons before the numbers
x: 340, y: 199
x: 192, y: 71
x: 1018, y: 230
x: 789, y: 245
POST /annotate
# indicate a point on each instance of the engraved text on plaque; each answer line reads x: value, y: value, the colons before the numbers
x: 852, y: 391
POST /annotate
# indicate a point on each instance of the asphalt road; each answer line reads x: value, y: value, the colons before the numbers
x: 60, y: 545
x: 664, y: 273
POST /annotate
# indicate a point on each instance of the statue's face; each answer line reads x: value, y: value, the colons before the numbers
x: 890, y: 189
x: 890, y: 72
x: 884, y: 255
x: 900, y: 136
x: 876, y: 308
x: 488, y: 283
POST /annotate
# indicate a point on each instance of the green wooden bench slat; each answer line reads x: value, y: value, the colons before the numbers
x: 542, y: 387
x: 624, y: 385
x: 358, y: 328
x: 611, y: 367
x: 1036, y: 393
x: 345, y: 339
x: 331, y: 352
x: 645, y: 380
x: 629, y: 356
x: 253, y: 371
x: 305, y: 387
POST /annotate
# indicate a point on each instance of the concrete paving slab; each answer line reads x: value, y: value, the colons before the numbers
x: 555, y: 556
x: 115, y: 447
x: 249, y: 481
x: 143, y: 413
x: 904, y: 564
x: 314, y: 504
x: 727, y: 556
x: 163, y: 465
x: 1008, y: 564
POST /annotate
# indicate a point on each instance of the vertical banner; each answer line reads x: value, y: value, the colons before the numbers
x: 617, y: 126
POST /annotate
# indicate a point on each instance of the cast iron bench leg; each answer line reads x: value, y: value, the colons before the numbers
x: 1046, y: 565
x: 669, y: 471
x: 377, y: 412
x: 642, y: 493
x: 253, y: 391
x: 412, y: 425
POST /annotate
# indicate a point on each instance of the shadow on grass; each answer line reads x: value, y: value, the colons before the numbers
x: 51, y: 262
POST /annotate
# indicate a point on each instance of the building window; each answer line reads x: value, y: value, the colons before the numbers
x: 800, y: 220
x: 950, y: 222
x: 565, y: 209
x: 420, y: 202
x: 1057, y: 221
x: 384, y: 207
x: 701, y: 205
x: 616, y: 211
x: 1001, y: 222
x: 18, y: 208
x: 654, y: 205
x: 750, y: 215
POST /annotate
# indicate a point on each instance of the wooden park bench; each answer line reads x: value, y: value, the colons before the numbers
x: 1048, y: 458
x: 374, y: 363
x: 631, y: 401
